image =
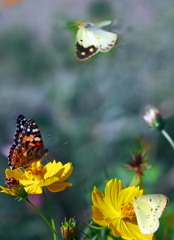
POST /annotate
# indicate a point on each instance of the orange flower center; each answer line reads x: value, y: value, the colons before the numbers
x: 37, y: 170
x: 128, y: 210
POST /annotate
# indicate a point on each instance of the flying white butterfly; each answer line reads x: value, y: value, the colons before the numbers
x: 91, y: 39
x: 148, y: 209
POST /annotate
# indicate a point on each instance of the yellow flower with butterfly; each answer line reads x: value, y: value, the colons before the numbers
x: 27, y: 152
x: 127, y: 212
x: 52, y: 176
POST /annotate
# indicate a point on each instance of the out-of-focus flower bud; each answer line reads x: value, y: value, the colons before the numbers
x: 14, y: 188
x: 153, y: 118
x: 139, y: 159
x: 68, y: 229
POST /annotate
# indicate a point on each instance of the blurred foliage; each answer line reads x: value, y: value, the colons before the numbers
x: 96, y: 106
x: 100, y: 9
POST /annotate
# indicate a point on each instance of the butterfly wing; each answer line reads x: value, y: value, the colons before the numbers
x: 20, y: 122
x: 158, y: 202
x: 146, y: 217
x: 104, y: 23
x: 30, y: 147
x: 106, y: 40
x: 86, y: 43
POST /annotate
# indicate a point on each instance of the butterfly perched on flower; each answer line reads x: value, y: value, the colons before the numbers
x: 91, y: 39
x: 148, y: 209
x: 28, y: 145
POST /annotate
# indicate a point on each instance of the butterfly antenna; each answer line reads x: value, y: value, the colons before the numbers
x: 76, y: 24
x: 65, y: 143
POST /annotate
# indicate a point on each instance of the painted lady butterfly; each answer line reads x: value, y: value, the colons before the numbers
x: 28, y: 145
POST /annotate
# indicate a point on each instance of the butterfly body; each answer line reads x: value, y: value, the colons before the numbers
x: 28, y: 145
x: 91, y: 39
x: 148, y: 210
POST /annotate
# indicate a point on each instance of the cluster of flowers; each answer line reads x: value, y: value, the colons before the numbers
x: 116, y: 208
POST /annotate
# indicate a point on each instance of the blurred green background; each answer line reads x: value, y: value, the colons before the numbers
x: 96, y: 106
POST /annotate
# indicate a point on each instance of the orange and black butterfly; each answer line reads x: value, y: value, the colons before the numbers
x: 28, y: 145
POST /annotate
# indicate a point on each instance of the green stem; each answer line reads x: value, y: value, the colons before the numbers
x: 42, y: 216
x: 98, y: 228
x: 52, y: 220
x: 166, y: 135
x: 142, y: 186
x: 135, y: 181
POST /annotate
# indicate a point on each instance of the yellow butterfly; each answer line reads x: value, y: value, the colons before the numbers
x: 148, y: 208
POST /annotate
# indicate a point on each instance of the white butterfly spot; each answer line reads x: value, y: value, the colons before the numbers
x: 37, y: 139
x: 28, y: 129
x: 91, y: 50
x: 35, y: 130
x: 83, y: 53
x: 25, y: 154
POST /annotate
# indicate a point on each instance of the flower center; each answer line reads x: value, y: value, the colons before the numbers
x: 37, y: 170
x: 128, y: 210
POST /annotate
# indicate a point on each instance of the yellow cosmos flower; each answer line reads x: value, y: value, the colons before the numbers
x: 115, y: 210
x: 52, y: 176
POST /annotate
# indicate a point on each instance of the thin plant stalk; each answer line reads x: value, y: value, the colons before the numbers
x: 94, y: 227
x: 166, y: 135
x: 135, y: 181
x: 52, y: 220
x: 42, y: 217
x: 142, y: 186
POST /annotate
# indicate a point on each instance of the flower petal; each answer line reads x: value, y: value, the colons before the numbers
x: 98, y: 217
x: 16, y: 173
x: 58, y: 186
x: 47, y: 182
x: 68, y: 168
x: 27, y: 182
x: 131, y: 230
x: 53, y: 168
x: 58, y: 170
x: 7, y: 190
x: 33, y: 189
x: 114, y: 225
x: 127, y: 195
x: 101, y: 205
x: 112, y: 190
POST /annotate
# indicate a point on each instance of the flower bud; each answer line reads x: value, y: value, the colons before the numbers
x: 68, y: 229
x: 15, y: 187
x: 139, y: 158
x: 153, y: 118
